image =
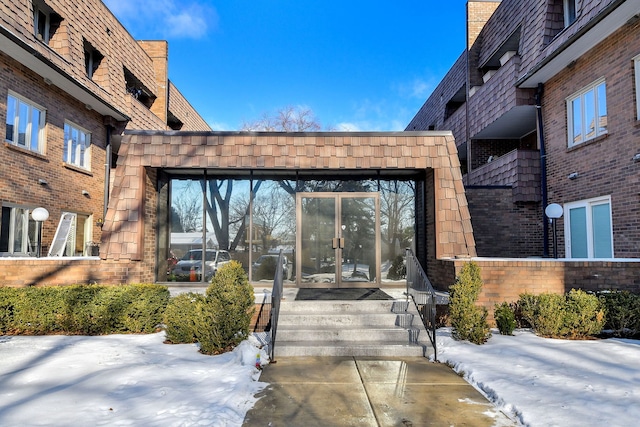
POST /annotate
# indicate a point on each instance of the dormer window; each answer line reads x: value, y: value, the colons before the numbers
x: 569, y: 8
x: 92, y: 59
x: 45, y: 21
x: 137, y: 89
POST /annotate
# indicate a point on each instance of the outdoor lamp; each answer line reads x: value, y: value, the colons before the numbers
x: 553, y: 212
x: 39, y: 215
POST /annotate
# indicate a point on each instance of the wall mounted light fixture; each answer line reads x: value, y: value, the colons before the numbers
x: 85, y: 193
x: 573, y: 175
x: 42, y: 181
x: 636, y: 158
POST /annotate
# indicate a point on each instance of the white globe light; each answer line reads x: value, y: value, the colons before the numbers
x: 554, y: 211
x: 40, y: 214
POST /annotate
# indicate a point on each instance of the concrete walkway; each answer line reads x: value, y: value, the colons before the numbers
x: 367, y: 391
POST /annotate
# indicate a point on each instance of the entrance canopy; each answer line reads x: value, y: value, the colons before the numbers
x: 140, y: 211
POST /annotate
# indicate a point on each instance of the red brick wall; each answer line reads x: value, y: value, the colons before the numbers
x: 500, y: 226
x: 506, y: 280
x: 604, y: 165
x: 21, y: 169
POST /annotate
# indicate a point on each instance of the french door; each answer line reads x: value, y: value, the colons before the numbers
x: 337, y: 243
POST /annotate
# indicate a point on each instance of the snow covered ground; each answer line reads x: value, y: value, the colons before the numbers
x: 550, y: 382
x: 132, y: 380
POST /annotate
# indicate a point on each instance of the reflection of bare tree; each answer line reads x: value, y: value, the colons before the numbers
x: 217, y: 205
x: 188, y: 208
x: 273, y: 215
x: 397, y: 200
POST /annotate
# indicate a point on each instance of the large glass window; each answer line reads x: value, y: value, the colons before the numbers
x: 589, y: 229
x: 76, y: 146
x: 587, y: 113
x: 252, y: 217
x: 17, y: 231
x: 25, y: 123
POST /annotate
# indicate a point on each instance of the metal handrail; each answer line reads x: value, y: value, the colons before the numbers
x: 276, y: 296
x: 424, y: 296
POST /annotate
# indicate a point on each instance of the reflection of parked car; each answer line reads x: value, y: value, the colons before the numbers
x: 259, y: 274
x: 193, y: 259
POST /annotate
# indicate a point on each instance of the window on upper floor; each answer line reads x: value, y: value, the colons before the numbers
x: 92, y: 59
x: 25, y: 123
x: 587, y: 113
x: 137, y: 89
x: 636, y: 66
x: 45, y: 21
x: 588, y: 228
x: 569, y: 9
x: 18, y: 233
x: 77, y: 142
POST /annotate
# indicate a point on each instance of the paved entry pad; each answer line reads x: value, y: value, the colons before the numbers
x: 366, y: 391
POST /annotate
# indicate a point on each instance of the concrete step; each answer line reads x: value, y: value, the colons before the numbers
x: 330, y: 348
x: 368, y: 334
x: 330, y: 319
x: 350, y: 328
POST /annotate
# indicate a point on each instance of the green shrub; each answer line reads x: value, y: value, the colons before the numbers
x: 223, y: 320
x: 505, y: 318
x: 398, y: 269
x: 622, y: 312
x: 575, y: 315
x: 83, y: 309
x: 545, y: 313
x: 584, y: 315
x: 469, y: 321
x: 180, y: 318
x: 7, y: 307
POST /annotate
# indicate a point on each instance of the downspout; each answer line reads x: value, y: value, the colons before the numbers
x: 107, y: 172
x: 543, y: 170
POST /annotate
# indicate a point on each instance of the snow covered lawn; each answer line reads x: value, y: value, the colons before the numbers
x: 133, y: 380
x: 550, y: 382
x: 123, y: 380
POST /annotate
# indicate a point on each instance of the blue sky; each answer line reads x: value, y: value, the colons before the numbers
x: 358, y: 65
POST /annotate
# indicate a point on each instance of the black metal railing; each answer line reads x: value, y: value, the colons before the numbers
x: 276, y: 297
x: 423, y: 295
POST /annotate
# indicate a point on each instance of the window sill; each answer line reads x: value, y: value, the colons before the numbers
x: 77, y: 169
x: 595, y: 140
x: 26, y: 151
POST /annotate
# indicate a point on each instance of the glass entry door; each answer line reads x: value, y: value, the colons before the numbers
x: 337, y: 243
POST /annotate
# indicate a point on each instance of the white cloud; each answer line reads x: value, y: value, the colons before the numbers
x: 347, y: 127
x: 164, y: 18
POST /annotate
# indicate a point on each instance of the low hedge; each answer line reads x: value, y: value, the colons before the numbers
x: 82, y: 309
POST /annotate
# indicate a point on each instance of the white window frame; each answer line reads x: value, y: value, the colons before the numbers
x: 27, y: 247
x: 636, y: 67
x: 80, y: 154
x: 588, y: 204
x: 18, y: 119
x: 569, y: 6
x: 581, y: 96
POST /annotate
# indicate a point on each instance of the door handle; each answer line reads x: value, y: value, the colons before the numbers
x: 337, y: 242
x: 341, y: 239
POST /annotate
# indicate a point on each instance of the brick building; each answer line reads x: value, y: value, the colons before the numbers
x: 544, y: 108
x: 72, y: 80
